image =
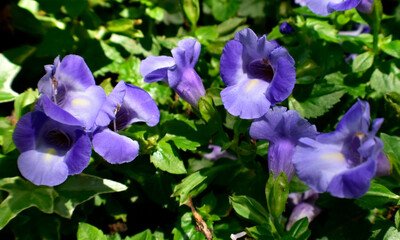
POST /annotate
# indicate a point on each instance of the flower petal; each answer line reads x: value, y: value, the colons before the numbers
x: 43, y: 167
x: 140, y: 106
x: 78, y: 157
x: 344, y: 5
x: 284, y: 78
x: 115, y: 98
x: 327, y: 158
x: 383, y: 167
x: 55, y: 112
x: 320, y: 7
x: 231, y: 63
x: 246, y: 99
x: 192, y: 49
x: 355, y: 120
x: 303, y: 210
x: 85, y: 106
x: 115, y: 148
x: 280, y: 155
x: 24, y: 136
x: 155, y: 69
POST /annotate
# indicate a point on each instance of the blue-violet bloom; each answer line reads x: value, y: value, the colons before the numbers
x: 286, y: 28
x: 178, y: 71
x: 303, y: 205
x: 326, y: 7
x: 365, y: 6
x: 69, y: 94
x: 343, y: 162
x: 258, y: 74
x: 282, y: 129
x: 125, y: 105
x: 50, y: 151
x: 216, y: 153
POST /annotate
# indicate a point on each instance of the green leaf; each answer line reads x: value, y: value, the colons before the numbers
x: 315, y: 103
x: 392, y: 48
x: 79, y: 189
x: 120, y: 25
x: 155, y: 13
x: 24, y: 101
x: 397, y: 219
x: 391, y: 147
x: 323, y: 29
x: 8, y: 71
x: 275, y: 33
x: 261, y: 232
x: 22, y: 195
x: 276, y: 193
x: 145, y: 235
x: 385, y: 83
x: 299, y: 230
x: 377, y: 196
x: 208, y: 111
x: 352, y: 86
x: 363, y: 62
x: 182, y: 142
x: 192, y: 10
x: 249, y: 209
x: 89, y: 232
x: 230, y: 25
x: 167, y: 159
x: 222, y: 10
x: 75, y: 7
x: 207, y: 33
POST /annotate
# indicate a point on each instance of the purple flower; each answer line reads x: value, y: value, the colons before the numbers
x: 69, y: 94
x: 50, y: 151
x: 303, y: 206
x: 216, y: 153
x: 178, y: 71
x: 301, y: 2
x: 125, y: 105
x: 326, y: 7
x: 282, y: 129
x: 258, y: 74
x: 343, y: 162
x: 286, y: 28
x: 365, y: 6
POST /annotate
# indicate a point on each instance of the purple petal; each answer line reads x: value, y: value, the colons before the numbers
x: 85, y: 106
x: 216, y: 153
x: 45, y: 84
x: 365, y: 6
x: 284, y: 76
x: 43, y: 167
x: 326, y: 158
x: 356, y: 119
x: 286, y: 28
x: 280, y: 156
x: 246, y: 99
x: 25, y: 132
x: 354, y: 182
x: 115, y: 148
x: 192, y: 49
x: 155, y: 69
x: 248, y: 38
x: 140, y: 106
x: 78, y: 157
x: 320, y: 7
x: 383, y: 167
x: 115, y: 98
x: 188, y: 84
x: 343, y: 5
x: 280, y: 124
x: 74, y: 73
x: 231, y: 64
x: 303, y: 210
x: 55, y: 112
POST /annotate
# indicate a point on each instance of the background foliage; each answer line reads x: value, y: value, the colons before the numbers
x: 147, y: 196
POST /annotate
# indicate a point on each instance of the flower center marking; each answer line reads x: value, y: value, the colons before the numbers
x: 49, y: 154
x: 251, y: 84
x: 333, y: 157
x: 80, y: 102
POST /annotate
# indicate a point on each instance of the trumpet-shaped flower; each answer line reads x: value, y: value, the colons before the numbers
x: 50, y: 151
x: 125, y: 105
x: 303, y: 206
x: 69, y: 94
x: 365, y: 6
x: 178, y: 71
x: 326, y: 7
x: 343, y: 162
x: 282, y: 129
x: 258, y: 74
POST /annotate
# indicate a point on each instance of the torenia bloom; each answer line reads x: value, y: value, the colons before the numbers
x: 178, y: 71
x: 326, y: 7
x: 303, y: 206
x: 69, y: 94
x: 365, y: 6
x: 282, y: 129
x: 125, y: 105
x: 50, y: 151
x: 258, y: 74
x: 343, y: 162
